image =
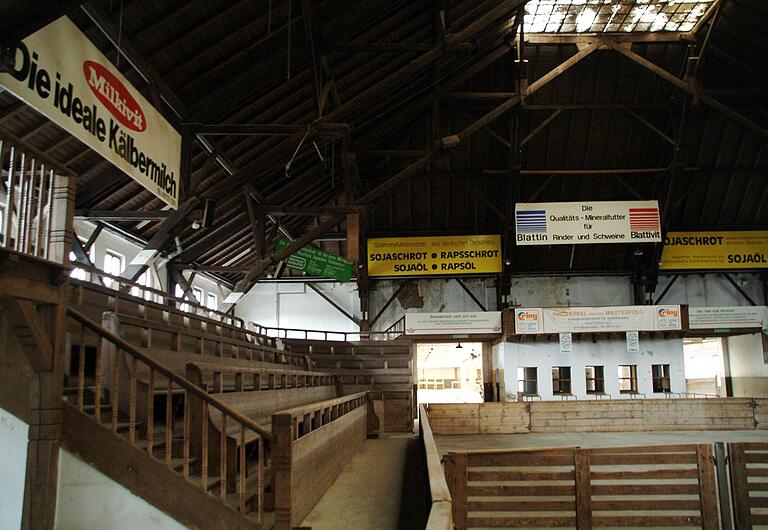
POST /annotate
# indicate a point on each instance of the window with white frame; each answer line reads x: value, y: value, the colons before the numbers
x: 212, y: 302
x: 113, y: 264
x: 179, y: 293
x: 146, y: 280
x: 199, y: 295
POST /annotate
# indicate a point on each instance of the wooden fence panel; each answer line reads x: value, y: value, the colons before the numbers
x: 749, y: 484
x: 657, y: 486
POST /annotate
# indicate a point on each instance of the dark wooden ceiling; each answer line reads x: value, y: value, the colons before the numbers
x: 237, y: 62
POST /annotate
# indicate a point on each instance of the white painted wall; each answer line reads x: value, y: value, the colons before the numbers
x: 439, y: 296
x: 749, y: 369
x: 13, y: 469
x: 108, y: 240
x: 89, y: 499
x: 607, y: 353
x: 294, y: 305
x: 695, y: 290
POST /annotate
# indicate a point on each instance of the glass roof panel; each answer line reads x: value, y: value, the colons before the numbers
x: 613, y: 16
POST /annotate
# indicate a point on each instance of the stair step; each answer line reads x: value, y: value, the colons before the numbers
x: 213, y: 482
x: 74, y: 390
x: 178, y: 463
x: 103, y: 407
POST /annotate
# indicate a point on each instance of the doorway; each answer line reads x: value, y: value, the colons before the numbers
x: 704, y: 366
x: 450, y: 372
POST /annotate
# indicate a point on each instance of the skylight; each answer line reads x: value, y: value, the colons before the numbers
x: 613, y: 16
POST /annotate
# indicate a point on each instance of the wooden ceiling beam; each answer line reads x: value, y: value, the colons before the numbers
x: 688, y: 88
x: 368, y: 95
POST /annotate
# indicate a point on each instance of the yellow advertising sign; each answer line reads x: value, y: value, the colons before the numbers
x: 428, y: 256
x: 715, y: 250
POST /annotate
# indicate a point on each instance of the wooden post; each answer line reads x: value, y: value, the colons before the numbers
x: 60, y: 238
x: 707, y: 491
x: 583, y: 490
x: 722, y: 485
x: 456, y: 476
x: 739, y: 488
x: 353, y: 237
x: 282, y: 429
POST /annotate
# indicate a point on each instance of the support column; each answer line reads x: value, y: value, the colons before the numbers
x: 489, y: 374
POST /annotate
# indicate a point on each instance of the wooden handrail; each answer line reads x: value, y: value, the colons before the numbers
x: 157, y: 292
x: 282, y: 333
x: 172, y: 376
x: 214, y: 367
x: 312, y: 407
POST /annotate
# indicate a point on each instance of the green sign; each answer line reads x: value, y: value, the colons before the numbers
x: 310, y: 260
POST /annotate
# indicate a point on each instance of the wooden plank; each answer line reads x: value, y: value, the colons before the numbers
x: 521, y: 459
x: 456, y: 476
x: 644, y: 475
x: 739, y: 487
x: 504, y: 490
x: 521, y: 506
x: 707, y: 489
x: 626, y: 505
x: 662, y: 521
x: 487, y: 476
x: 645, y: 489
x: 583, y: 490
x: 521, y: 522
x: 643, y: 459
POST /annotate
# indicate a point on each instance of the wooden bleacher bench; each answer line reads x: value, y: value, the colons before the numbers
x: 269, y: 390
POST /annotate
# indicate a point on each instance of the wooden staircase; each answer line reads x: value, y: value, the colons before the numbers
x: 156, y: 460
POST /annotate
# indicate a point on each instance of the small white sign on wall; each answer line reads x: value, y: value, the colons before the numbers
x: 488, y: 322
x: 566, y: 343
x: 633, y: 341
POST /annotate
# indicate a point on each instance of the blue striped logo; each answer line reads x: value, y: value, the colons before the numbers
x: 531, y: 221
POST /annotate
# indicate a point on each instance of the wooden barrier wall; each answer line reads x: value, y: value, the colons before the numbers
x: 440, y: 512
x: 313, y: 444
x: 600, y: 416
x: 670, y: 486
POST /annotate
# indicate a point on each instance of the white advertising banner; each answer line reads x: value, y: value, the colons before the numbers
x: 531, y: 321
x: 569, y: 223
x: 61, y: 74
x: 566, y: 343
x: 453, y: 323
x: 728, y: 317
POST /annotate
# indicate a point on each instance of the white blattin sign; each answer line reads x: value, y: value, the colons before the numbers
x: 60, y: 73
x: 569, y: 223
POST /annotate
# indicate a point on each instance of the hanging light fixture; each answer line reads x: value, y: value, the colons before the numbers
x: 459, y: 346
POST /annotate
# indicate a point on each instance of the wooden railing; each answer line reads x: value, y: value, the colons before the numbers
x: 440, y: 502
x: 182, y: 330
x: 38, y: 199
x: 98, y: 395
x: 318, y: 334
x: 313, y: 443
x: 124, y: 288
x: 585, y: 488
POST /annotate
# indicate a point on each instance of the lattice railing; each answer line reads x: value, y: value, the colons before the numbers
x: 111, y: 375
x: 36, y: 199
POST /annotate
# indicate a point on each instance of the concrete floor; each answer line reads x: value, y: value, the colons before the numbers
x: 461, y: 442
x: 372, y: 492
